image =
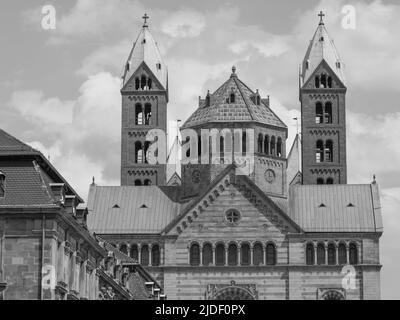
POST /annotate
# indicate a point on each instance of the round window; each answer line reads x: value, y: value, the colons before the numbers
x: 232, y: 216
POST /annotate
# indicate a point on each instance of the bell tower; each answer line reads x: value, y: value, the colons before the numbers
x: 144, y: 107
x: 323, y: 112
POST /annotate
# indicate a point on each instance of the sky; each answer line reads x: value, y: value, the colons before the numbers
x: 59, y: 88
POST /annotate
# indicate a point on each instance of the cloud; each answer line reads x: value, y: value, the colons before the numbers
x: 184, y: 24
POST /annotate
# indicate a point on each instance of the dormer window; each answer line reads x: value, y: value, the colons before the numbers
x: 232, y: 98
x: 158, y: 66
x: 2, y: 184
x: 321, y: 39
x: 308, y: 64
x: 338, y: 64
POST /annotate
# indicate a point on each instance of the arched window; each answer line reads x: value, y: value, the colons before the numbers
x: 329, y: 181
x: 320, y: 253
x: 138, y: 182
x: 328, y: 112
x: 207, y: 254
x: 232, y: 98
x: 144, y: 255
x: 320, y: 181
x: 329, y: 82
x: 319, y: 113
x: 323, y: 81
x: 317, y: 81
x: 143, y: 82
x: 244, y: 142
x: 270, y: 254
x: 155, y: 255
x: 187, y: 141
x: 232, y: 254
x: 137, y: 83
x: 138, y: 152
x: 319, y: 152
x: 260, y: 143
x: 123, y: 248
x: 258, y: 254
x: 310, y: 259
x: 329, y: 151
x: 134, y: 252
x: 266, y: 145
x: 221, y: 149
x: 272, y: 146
x: 147, y: 113
x: 342, y: 254
x: 245, y: 254
x: 279, y: 147
x: 138, y: 114
x: 199, y: 146
x: 194, y: 254
x: 353, y: 254
x: 145, y: 151
x: 147, y: 182
x: 220, y: 254
x: 149, y: 83
x: 331, y: 254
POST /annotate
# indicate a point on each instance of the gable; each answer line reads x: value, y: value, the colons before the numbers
x: 143, y: 69
x: 324, y: 67
x: 255, y: 201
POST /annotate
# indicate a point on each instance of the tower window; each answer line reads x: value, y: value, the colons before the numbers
x: 147, y: 113
x: 199, y: 145
x: 257, y: 254
x: 244, y: 143
x: 272, y: 146
x: 328, y: 112
x: 144, y: 253
x: 232, y: 98
x: 329, y: 82
x: 2, y: 184
x: 149, y: 83
x: 317, y: 83
x: 320, y: 181
x: 329, y: 181
x: 342, y: 254
x: 138, y: 182
x: 155, y: 255
x: 134, y: 252
x: 143, y: 82
x: 138, y: 114
x: 138, y: 152
x: 319, y: 113
x: 266, y: 145
x: 320, y: 254
x: 260, y: 143
x: 329, y: 151
x: 279, y: 147
x: 245, y: 254
x: 331, y: 254
x: 319, y: 152
x: 137, y: 83
x: 147, y: 182
x: 123, y: 248
x: 221, y: 149
x: 270, y: 254
x: 353, y: 254
x: 323, y: 81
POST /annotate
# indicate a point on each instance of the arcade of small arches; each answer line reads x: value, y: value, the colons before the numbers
x: 145, y: 182
x: 325, y: 181
x: 269, y: 146
x: 232, y: 254
x: 332, y: 253
x: 148, y: 254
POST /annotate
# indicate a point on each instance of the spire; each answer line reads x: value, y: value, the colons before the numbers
x: 321, y: 48
x: 145, y: 49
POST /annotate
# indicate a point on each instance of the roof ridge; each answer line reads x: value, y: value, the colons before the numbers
x: 22, y: 145
x: 243, y: 96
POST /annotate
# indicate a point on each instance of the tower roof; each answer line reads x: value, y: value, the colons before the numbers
x: 243, y: 109
x: 145, y: 49
x: 321, y: 48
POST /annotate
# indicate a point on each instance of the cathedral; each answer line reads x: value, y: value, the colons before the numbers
x: 244, y: 219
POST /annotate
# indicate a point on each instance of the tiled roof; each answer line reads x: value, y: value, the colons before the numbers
x: 242, y: 110
x: 11, y: 145
x: 144, y: 209
x: 321, y: 48
x: 336, y: 208
x: 25, y: 184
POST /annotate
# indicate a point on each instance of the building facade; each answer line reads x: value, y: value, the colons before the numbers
x: 289, y: 228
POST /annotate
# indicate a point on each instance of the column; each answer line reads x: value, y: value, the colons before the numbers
x: 315, y: 253
x: 213, y: 255
x: 239, y: 255
x: 347, y: 253
x: 150, y: 246
x: 326, y: 253
x: 251, y: 254
x: 139, y: 252
x: 264, y: 262
x: 226, y: 255
x: 128, y: 249
x: 201, y: 254
x: 337, y: 253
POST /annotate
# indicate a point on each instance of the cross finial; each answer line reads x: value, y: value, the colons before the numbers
x: 321, y: 16
x: 145, y: 18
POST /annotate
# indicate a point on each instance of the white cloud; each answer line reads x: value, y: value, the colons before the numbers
x: 183, y: 24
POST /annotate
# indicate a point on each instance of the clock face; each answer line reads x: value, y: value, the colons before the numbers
x: 196, y: 176
x: 269, y: 175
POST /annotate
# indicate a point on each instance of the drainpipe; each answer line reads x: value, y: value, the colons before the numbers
x: 42, y: 259
x: 3, y: 284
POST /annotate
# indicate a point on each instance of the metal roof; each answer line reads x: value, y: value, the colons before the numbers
x: 130, y: 209
x: 242, y: 110
x: 336, y: 208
